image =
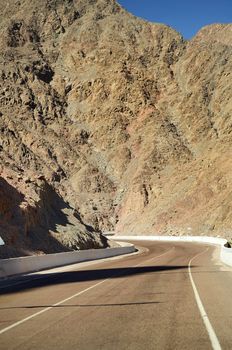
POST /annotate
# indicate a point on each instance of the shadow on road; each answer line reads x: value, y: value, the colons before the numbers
x: 81, y: 305
x: 36, y: 281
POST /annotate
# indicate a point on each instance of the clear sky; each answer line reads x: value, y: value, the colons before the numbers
x: 186, y: 16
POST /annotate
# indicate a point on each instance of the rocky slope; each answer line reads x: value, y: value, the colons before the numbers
x: 111, y: 123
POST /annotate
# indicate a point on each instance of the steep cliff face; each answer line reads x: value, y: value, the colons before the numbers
x: 34, y: 219
x: 125, y: 121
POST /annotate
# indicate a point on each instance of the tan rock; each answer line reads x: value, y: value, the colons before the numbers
x: 111, y: 112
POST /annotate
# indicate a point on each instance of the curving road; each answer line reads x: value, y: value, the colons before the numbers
x: 167, y: 296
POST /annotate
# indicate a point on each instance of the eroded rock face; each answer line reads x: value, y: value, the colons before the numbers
x: 124, y: 120
x: 35, y: 219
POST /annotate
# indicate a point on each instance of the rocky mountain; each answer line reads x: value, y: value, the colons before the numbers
x: 109, y: 122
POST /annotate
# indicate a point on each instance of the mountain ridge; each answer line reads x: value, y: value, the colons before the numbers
x: 127, y: 122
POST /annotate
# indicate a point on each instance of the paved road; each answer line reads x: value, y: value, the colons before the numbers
x: 143, y: 301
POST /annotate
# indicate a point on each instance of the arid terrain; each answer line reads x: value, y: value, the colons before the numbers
x: 109, y: 122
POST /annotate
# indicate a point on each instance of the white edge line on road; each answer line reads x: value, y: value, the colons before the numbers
x: 212, y: 335
x: 71, y: 297
x: 156, y: 257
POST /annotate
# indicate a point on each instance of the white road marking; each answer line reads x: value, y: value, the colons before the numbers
x: 49, y: 308
x: 212, y: 335
x: 71, y: 297
x: 156, y: 257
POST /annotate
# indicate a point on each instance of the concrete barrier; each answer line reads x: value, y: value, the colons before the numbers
x: 1, y: 241
x: 225, y: 254
x: 197, y: 239
x: 14, y: 266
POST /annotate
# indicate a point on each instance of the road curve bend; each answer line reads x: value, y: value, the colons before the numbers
x: 169, y: 296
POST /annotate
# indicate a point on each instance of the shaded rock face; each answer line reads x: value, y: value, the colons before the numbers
x: 126, y: 122
x: 38, y: 220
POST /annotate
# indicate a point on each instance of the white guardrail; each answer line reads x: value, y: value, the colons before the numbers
x: 14, y: 266
x: 225, y: 255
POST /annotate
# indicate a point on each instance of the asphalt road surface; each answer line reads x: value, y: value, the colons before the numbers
x: 167, y: 296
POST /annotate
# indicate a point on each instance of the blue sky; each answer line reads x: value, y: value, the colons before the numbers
x: 186, y: 16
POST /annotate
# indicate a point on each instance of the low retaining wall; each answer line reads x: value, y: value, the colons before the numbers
x: 1, y: 241
x: 197, y: 239
x: 225, y: 255
x: 14, y: 266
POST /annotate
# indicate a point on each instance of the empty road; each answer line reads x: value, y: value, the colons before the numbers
x: 167, y: 296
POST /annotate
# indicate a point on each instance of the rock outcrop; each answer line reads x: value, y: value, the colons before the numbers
x: 120, y: 122
x: 35, y: 219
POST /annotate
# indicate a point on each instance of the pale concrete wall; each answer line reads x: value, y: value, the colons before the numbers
x: 14, y: 266
x: 198, y: 239
x: 225, y: 255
